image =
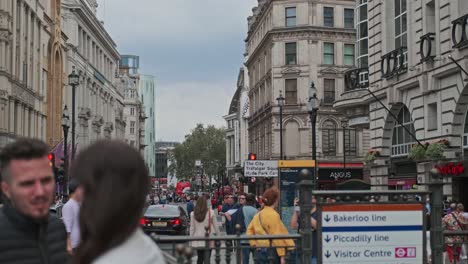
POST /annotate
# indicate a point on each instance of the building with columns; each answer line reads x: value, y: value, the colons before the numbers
x: 134, y: 111
x: 289, y: 45
x: 413, y: 51
x: 237, y: 127
x: 25, y: 37
x: 93, y: 53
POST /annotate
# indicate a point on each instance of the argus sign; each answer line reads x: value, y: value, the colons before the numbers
x: 451, y: 169
x: 370, y: 233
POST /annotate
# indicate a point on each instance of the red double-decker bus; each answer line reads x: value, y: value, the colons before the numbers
x: 181, y: 186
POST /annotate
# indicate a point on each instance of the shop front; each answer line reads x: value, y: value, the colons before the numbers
x: 330, y: 174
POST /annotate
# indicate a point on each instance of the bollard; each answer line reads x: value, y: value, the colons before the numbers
x: 180, y: 251
x: 238, y: 245
x: 305, y: 202
x: 189, y: 252
x: 437, y: 238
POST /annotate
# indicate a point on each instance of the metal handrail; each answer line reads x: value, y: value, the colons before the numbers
x: 181, y: 239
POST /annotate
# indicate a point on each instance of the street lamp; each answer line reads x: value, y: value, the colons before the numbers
x: 280, y: 100
x: 65, y: 126
x: 312, y: 107
x: 344, y: 124
x: 73, y: 80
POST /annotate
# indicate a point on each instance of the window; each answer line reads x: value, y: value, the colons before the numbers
x: 328, y: 16
x: 350, y: 142
x: 329, y: 138
x: 132, y: 111
x: 329, y: 91
x: 432, y: 116
x: 132, y: 127
x: 349, y: 18
x: 328, y: 53
x: 132, y: 93
x: 401, y: 27
x: 290, y: 16
x: 349, y: 54
x: 401, y: 139
x: 290, y: 53
x: 291, y: 91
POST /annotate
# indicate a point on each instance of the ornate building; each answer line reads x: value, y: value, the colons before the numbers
x: 55, y: 75
x: 134, y: 110
x: 26, y: 30
x: 413, y: 51
x: 90, y: 49
x: 289, y: 45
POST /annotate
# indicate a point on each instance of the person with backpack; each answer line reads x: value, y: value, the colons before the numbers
x: 248, y: 212
x: 268, y: 222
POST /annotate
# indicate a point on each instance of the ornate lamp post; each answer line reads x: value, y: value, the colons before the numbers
x: 312, y: 107
x: 280, y: 100
x: 65, y: 126
x: 73, y: 81
x: 344, y: 124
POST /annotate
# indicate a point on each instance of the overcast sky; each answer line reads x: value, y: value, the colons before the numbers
x: 193, y: 48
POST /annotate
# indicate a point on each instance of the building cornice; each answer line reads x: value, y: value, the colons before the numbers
x: 313, y: 33
x: 86, y: 15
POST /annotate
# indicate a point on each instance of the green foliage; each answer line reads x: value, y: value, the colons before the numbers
x: 203, y: 143
x: 435, y: 151
x: 417, y: 152
x: 370, y: 156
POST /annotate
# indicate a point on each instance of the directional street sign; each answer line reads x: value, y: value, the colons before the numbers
x: 372, y: 233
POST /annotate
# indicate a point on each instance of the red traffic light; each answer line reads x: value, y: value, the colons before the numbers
x: 51, y: 157
x: 252, y: 156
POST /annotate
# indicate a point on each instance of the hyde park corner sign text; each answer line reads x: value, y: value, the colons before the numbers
x: 261, y: 168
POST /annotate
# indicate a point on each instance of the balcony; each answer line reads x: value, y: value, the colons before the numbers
x: 401, y: 150
x: 356, y: 79
x: 459, y: 32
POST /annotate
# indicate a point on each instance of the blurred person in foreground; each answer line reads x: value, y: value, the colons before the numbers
x: 109, y: 224
x: 28, y: 233
x: 71, y: 213
x: 268, y: 222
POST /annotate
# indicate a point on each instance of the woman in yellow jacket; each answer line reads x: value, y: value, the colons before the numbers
x: 268, y: 222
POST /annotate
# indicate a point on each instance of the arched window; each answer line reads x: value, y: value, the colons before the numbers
x: 401, y: 139
x: 329, y: 138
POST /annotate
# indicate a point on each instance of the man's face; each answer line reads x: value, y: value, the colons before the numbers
x: 79, y: 194
x: 230, y: 200
x: 31, y: 187
x: 242, y: 200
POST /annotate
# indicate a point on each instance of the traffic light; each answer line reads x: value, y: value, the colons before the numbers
x: 51, y: 158
x: 252, y: 156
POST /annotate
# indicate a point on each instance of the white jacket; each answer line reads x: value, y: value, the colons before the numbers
x: 137, y: 249
x: 197, y: 229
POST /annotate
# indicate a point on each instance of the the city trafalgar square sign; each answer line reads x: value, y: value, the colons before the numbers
x: 261, y: 168
x: 372, y: 233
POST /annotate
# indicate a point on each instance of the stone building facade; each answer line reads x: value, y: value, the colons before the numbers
x: 289, y: 45
x: 26, y: 30
x: 412, y: 46
x: 91, y: 50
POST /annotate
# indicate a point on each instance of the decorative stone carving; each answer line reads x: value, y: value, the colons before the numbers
x: 84, y: 115
x: 98, y: 121
x: 108, y: 128
x: 23, y: 95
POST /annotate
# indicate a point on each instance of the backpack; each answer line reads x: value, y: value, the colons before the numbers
x: 236, y: 218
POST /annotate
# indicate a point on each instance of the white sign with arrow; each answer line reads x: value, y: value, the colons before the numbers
x: 372, y: 233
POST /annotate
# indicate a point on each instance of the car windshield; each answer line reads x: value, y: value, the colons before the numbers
x: 162, y: 211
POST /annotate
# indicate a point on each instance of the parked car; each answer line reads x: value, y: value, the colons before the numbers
x: 165, y: 219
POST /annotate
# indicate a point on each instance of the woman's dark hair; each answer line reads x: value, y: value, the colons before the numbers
x: 201, y: 208
x: 250, y: 199
x: 115, y: 183
x: 270, y: 196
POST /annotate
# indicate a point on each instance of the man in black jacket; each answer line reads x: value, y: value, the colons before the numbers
x: 28, y: 234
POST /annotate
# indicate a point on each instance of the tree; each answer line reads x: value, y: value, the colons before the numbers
x: 205, y: 144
